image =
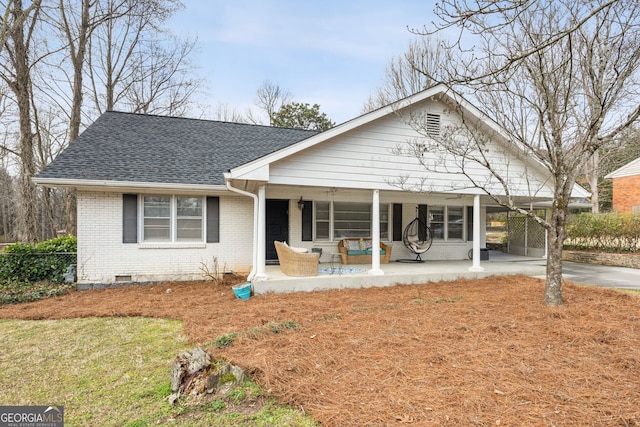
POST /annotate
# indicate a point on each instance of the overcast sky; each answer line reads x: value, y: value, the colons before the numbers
x: 330, y: 52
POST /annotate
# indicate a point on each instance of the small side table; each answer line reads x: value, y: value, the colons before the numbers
x: 336, y: 263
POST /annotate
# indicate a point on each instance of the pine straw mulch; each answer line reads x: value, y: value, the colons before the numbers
x: 471, y: 352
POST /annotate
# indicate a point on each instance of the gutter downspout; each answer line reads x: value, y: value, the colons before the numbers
x: 255, y: 225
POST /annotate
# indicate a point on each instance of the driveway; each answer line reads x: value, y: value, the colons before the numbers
x: 601, y: 275
x: 584, y: 274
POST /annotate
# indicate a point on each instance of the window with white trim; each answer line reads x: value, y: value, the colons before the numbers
x: 339, y: 220
x: 188, y: 218
x: 447, y: 222
x: 323, y: 220
x: 436, y: 222
x: 455, y: 223
x: 156, y: 219
x: 172, y: 219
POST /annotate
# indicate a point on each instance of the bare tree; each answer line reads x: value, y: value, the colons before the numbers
x: 7, y: 193
x: 51, y: 136
x: 76, y: 27
x: 592, y: 176
x: 625, y: 148
x: 269, y: 99
x: 16, y: 73
x: 7, y: 203
x: 115, y: 44
x: 405, y: 74
x: 10, y: 20
x: 560, y: 77
x: 162, y: 80
x: 224, y: 113
x: 47, y: 81
x: 136, y: 66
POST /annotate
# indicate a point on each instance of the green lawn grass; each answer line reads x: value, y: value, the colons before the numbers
x: 113, y: 372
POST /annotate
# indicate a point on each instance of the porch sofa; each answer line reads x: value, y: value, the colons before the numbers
x: 358, y: 251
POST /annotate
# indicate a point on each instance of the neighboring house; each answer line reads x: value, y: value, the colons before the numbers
x: 159, y: 197
x: 626, y: 188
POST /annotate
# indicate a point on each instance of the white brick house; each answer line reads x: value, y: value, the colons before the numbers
x: 158, y: 197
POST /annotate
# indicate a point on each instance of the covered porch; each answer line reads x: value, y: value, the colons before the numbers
x: 394, y: 273
x: 372, y: 177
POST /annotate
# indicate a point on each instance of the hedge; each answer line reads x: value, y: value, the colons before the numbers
x: 33, y: 262
x: 609, y: 232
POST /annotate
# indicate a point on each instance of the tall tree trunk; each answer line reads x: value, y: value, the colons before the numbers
x: 70, y: 210
x: 48, y: 227
x: 5, y: 207
x: 77, y: 50
x: 594, y: 164
x: 21, y: 86
x: 556, y: 236
x: 6, y: 233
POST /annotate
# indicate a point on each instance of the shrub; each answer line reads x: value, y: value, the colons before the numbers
x: 605, y: 232
x: 33, y: 262
x: 13, y: 291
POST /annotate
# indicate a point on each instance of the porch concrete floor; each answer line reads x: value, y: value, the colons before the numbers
x: 400, y: 273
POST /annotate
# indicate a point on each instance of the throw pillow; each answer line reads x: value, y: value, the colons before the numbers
x: 352, y: 245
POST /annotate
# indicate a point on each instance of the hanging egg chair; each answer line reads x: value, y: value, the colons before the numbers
x: 417, y: 237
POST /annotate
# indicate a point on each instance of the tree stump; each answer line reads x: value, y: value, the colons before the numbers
x: 196, y: 375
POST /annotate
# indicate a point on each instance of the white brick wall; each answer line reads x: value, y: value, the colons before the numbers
x: 102, y: 256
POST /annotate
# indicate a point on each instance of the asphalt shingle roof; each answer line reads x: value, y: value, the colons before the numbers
x: 144, y: 148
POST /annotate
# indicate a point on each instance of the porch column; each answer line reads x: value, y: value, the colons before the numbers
x: 262, y: 234
x: 546, y: 236
x: 476, y: 235
x: 375, y: 236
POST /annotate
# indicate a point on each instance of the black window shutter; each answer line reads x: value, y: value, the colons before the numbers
x: 213, y: 219
x: 470, y: 223
x: 307, y: 221
x: 129, y: 218
x: 422, y: 214
x: 397, y: 222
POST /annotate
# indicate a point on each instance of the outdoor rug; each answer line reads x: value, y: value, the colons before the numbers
x: 340, y: 270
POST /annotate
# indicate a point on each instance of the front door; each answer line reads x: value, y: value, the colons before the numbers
x: 277, y: 227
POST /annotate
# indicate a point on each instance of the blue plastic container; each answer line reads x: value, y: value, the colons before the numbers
x: 242, y: 290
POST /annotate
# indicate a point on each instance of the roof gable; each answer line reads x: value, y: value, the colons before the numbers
x: 247, y: 169
x: 139, y: 148
x: 438, y: 92
x: 364, y: 147
x: 630, y: 169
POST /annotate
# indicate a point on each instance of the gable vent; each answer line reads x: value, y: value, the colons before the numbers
x: 433, y: 124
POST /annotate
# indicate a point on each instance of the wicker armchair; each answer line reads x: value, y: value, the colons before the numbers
x: 293, y: 263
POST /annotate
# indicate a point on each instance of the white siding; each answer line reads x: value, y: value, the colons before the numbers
x: 364, y: 159
x: 102, y: 256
